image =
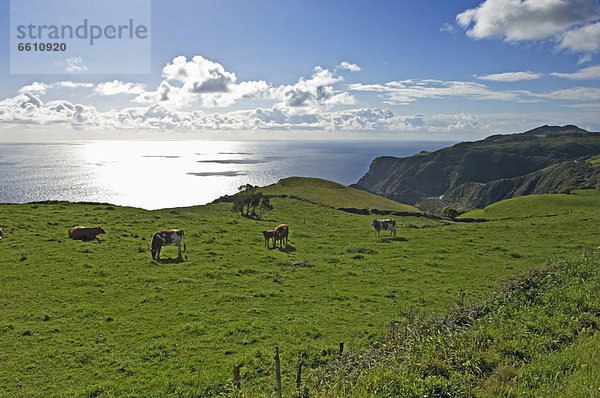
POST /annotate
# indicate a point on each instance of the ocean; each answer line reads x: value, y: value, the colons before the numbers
x: 164, y: 174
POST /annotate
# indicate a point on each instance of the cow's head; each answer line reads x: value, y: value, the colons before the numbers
x: 373, y: 221
x: 2, y: 234
x: 100, y: 229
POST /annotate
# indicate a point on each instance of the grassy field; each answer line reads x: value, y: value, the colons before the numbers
x: 102, y: 319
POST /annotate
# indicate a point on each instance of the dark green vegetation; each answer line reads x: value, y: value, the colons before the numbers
x: 102, y: 319
x: 475, y: 174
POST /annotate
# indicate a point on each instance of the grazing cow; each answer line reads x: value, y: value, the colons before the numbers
x: 280, y: 233
x: 268, y: 236
x: 167, y: 237
x: 83, y: 233
x: 378, y: 225
x: 2, y: 234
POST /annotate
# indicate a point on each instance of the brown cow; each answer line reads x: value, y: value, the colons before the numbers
x: 389, y: 224
x: 167, y: 237
x: 83, y: 233
x: 281, y: 233
x: 268, y: 236
x: 2, y: 234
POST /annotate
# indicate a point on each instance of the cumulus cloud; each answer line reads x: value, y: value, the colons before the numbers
x: 200, y: 81
x: 517, y: 20
x: 118, y: 87
x: 572, y: 24
x: 510, y: 76
x: 309, y: 95
x: 35, y: 87
x: 589, y: 73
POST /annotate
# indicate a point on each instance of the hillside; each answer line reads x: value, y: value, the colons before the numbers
x: 102, y: 319
x: 502, y: 161
x: 332, y: 194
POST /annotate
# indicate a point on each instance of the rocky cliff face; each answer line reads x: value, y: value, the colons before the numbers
x: 463, y: 173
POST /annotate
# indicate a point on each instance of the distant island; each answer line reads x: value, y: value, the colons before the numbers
x: 547, y: 159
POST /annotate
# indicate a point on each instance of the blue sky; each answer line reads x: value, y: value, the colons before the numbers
x: 404, y: 69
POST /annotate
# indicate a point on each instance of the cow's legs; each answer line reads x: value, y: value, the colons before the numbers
x: 158, y: 253
x: 179, y: 249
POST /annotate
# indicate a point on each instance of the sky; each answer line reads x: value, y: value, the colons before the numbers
x: 277, y: 69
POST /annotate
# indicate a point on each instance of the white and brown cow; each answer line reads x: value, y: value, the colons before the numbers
x: 281, y: 233
x: 386, y: 225
x: 2, y: 234
x: 167, y: 237
x: 82, y: 233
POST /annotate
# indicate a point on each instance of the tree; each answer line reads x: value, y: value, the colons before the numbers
x: 265, y: 205
x: 449, y: 213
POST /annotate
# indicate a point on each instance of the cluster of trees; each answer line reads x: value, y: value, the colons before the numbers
x: 248, y: 200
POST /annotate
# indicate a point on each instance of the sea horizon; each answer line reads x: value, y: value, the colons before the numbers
x: 156, y: 174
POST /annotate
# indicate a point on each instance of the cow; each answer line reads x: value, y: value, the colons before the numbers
x: 82, y: 233
x: 378, y: 225
x: 268, y: 236
x: 167, y: 237
x: 2, y: 234
x: 281, y: 233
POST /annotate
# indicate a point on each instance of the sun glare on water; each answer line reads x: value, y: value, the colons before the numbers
x: 152, y: 173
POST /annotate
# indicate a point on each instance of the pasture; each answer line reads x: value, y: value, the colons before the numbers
x: 103, y: 319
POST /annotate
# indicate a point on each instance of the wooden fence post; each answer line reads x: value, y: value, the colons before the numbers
x: 299, y: 375
x: 236, y: 376
x: 277, y: 372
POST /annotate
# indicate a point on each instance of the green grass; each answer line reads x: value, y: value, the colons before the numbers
x: 102, y: 319
x: 576, y: 204
x: 334, y: 195
x: 594, y: 161
x: 537, y: 337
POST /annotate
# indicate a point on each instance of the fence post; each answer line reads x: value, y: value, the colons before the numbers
x: 277, y: 372
x: 299, y: 375
x: 236, y: 376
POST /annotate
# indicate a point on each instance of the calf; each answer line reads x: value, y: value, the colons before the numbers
x: 268, y: 236
x: 167, y: 237
x: 389, y: 224
x: 280, y: 233
x: 83, y: 233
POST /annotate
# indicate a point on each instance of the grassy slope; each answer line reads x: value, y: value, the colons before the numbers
x: 539, y: 206
x: 87, y: 318
x: 332, y: 194
x: 538, y: 337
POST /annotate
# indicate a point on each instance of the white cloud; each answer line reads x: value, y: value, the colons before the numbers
x: 75, y: 65
x: 118, y: 87
x: 200, y: 82
x: 70, y: 84
x: 517, y: 20
x: 572, y: 24
x: 408, y: 91
x: 573, y: 94
x: 510, y: 76
x: 35, y: 87
x: 349, y: 66
x: 312, y: 94
x: 589, y: 73
x: 585, y: 39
